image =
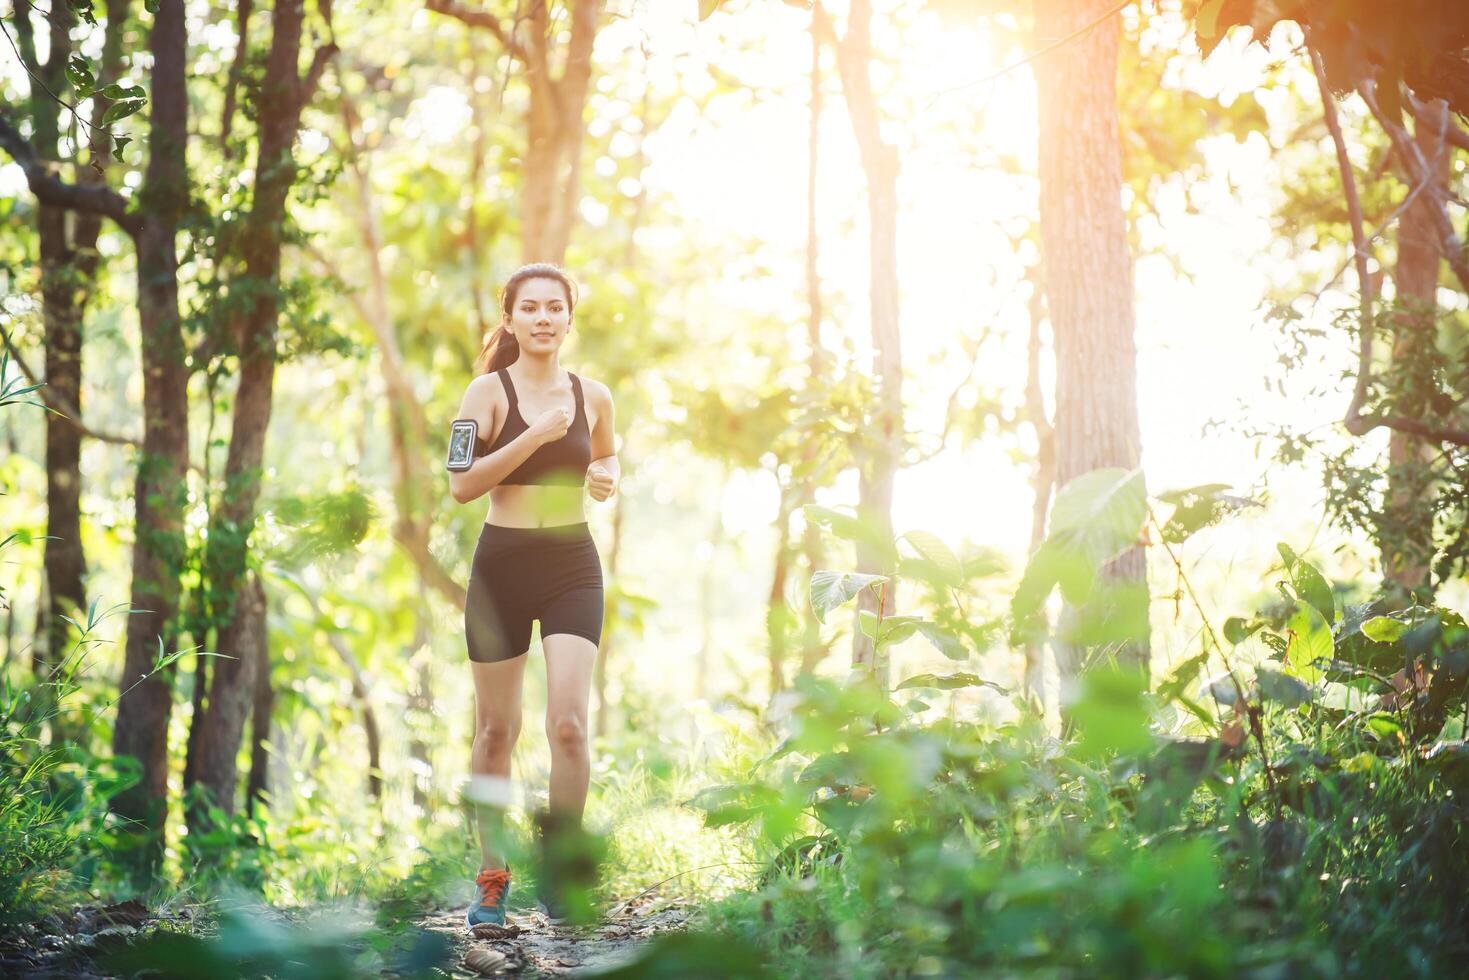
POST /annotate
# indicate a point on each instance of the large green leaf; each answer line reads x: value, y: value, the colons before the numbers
x: 946, y: 565
x: 1309, y: 583
x: 1310, y: 646
x: 1096, y: 517
x: 831, y: 589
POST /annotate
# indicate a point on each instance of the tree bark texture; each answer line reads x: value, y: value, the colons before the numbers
x: 1407, y: 545
x: 160, y: 492
x: 239, y: 607
x: 1088, y: 266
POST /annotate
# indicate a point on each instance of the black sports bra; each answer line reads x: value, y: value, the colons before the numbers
x: 560, y: 463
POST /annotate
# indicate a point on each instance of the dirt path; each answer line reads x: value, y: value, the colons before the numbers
x: 539, y: 949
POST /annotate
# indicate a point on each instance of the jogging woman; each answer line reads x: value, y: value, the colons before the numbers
x: 543, y: 433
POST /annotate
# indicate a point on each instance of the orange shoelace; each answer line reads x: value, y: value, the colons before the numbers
x: 492, y: 882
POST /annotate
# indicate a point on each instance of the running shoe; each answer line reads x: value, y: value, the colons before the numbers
x: 491, y: 889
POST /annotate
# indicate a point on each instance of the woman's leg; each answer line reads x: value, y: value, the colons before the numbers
x: 569, y: 660
x: 497, y: 724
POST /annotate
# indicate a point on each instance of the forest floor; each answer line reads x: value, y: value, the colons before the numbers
x: 533, y: 947
x: 74, y: 945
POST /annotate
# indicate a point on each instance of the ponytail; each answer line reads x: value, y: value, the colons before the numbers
x: 500, y: 350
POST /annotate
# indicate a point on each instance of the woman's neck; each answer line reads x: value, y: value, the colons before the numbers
x: 544, y: 372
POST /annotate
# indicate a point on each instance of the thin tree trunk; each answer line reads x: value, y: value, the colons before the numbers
x: 1407, y: 545
x: 240, y: 613
x: 63, y: 563
x: 1088, y: 271
x: 1043, y: 481
x: 877, y: 470
x: 812, y: 649
x: 777, y: 610
x: 141, y: 728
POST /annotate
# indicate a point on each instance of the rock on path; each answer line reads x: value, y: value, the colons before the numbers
x: 535, y: 948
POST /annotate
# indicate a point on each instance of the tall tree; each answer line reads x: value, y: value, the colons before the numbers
x: 69, y: 262
x: 239, y: 601
x: 884, y: 448
x: 1407, y: 544
x: 160, y: 491
x: 1088, y: 272
x: 550, y: 170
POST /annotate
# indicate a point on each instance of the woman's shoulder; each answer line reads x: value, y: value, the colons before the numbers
x: 594, y: 390
x: 484, y: 391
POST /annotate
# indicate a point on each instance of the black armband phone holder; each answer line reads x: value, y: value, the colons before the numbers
x: 462, y: 437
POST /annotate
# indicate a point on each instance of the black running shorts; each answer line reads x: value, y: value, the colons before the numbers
x: 520, y: 574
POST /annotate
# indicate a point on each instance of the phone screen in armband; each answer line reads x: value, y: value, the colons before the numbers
x: 461, y: 444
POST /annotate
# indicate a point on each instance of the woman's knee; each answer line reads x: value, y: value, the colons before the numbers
x: 497, y: 735
x: 567, y: 734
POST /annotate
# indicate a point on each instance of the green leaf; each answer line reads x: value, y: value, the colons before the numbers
x: 832, y: 589
x: 1182, y: 676
x: 1275, y: 643
x: 895, y: 629
x: 1384, y: 725
x: 1309, y: 583
x: 1281, y: 688
x: 947, y: 642
x: 1096, y: 517
x: 121, y: 110
x: 1196, y: 508
x: 1384, y: 629
x: 1237, y: 629
x: 1111, y: 714
x: 79, y: 73
x: 945, y: 562
x: 949, y: 682
x: 1310, y: 644
x: 117, y: 91
x: 119, y: 143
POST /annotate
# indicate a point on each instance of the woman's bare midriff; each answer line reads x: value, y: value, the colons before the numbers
x: 536, y: 505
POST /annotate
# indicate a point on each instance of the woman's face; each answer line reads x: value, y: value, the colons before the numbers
x: 540, y: 316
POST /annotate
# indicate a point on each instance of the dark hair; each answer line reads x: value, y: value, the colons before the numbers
x: 502, y: 349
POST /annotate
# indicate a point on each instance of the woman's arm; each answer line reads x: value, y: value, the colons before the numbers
x: 604, y: 470
x: 486, y: 472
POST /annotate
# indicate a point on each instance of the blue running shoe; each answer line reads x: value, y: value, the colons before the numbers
x: 491, y: 889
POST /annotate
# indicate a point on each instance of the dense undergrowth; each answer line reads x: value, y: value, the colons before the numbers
x: 1301, y: 812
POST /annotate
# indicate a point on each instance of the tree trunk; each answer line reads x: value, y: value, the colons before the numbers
x: 1407, y: 541
x: 1043, y: 482
x: 777, y: 610
x: 880, y: 164
x: 1088, y: 269
x: 262, y: 705
x: 66, y: 275
x: 161, y: 491
x: 812, y: 649
x: 239, y: 608
x: 554, y: 126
